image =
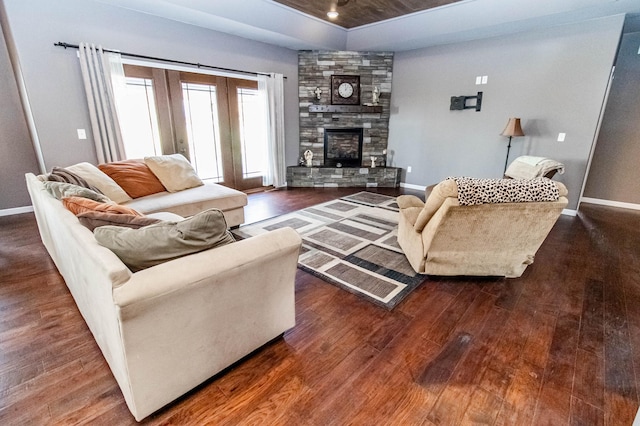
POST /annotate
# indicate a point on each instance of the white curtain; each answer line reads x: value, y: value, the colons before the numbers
x: 271, y: 88
x: 103, y: 75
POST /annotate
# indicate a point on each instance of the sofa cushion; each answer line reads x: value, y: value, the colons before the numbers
x: 192, y: 200
x: 165, y: 216
x: 134, y: 177
x: 62, y: 190
x: 174, y: 171
x: 100, y: 180
x: 95, y: 219
x: 151, y: 245
x: 77, y: 205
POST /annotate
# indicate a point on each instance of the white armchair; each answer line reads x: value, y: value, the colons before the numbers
x: 443, y: 237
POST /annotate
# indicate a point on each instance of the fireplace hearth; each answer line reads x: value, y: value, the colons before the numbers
x: 343, y: 147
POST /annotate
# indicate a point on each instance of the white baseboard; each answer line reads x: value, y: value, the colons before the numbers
x: 610, y: 203
x: 17, y: 210
x: 569, y: 212
x: 412, y: 186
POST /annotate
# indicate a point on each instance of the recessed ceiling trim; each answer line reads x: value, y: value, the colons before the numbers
x: 273, y: 23
x: 252, y: 19
x: 461, y: 24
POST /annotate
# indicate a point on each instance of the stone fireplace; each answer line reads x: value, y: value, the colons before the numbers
x: 348, y: 141
x: 315, y: 69
x: 343, y: 147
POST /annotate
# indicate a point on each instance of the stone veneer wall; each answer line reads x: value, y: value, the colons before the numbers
x: 333, y: 177
x: 315, y: 69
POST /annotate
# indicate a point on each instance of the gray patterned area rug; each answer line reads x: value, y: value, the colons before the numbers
x: 350, y: 242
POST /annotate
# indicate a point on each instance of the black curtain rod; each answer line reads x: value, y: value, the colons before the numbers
x: 171, y: 61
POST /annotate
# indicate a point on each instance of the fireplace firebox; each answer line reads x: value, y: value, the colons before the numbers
x: 343, y: 147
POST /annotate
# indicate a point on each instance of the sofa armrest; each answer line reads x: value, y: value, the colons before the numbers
x: 180, y: 274
x: 183, y: 321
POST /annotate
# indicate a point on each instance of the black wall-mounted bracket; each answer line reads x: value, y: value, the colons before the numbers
x: 466, y: 102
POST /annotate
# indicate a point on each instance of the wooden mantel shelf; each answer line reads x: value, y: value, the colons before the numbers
x: 346, y: 108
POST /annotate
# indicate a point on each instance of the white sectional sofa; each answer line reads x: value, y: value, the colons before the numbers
x: 166, y: 329
x: 186, y: 202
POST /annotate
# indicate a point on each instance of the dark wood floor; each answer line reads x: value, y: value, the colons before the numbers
x: 560, y: 345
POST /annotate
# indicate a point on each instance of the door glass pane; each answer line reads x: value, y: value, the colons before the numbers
x: 253, y: 132
x: 203, y: 130
x: 138, y: 119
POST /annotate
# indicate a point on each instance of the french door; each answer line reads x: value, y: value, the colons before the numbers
x: 218, y: 123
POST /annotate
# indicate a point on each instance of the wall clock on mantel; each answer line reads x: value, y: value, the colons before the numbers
x: 345, y: 90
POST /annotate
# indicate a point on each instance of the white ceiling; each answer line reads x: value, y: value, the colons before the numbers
x: 273, y: 23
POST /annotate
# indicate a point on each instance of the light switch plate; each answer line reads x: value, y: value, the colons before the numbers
x: 82, y: 134
x: 561, y: 137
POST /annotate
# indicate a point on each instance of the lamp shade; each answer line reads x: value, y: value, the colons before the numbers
x: 513, y: 128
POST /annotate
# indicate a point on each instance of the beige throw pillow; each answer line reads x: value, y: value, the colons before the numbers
x: 174, y: 171
x: 155, y: 244
x: 95, y: 177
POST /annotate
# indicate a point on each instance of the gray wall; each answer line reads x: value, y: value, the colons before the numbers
x: 52, y: 74
x: 615, y: 173
x: 16, y: 152
x: 555, y: 80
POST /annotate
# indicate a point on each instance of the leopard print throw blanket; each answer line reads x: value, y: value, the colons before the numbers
x: 472, y: 191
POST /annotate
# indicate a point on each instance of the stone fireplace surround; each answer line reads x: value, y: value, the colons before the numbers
x: 315, y: 69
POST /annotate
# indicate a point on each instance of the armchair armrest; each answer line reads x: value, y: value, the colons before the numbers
x: 406, y: 201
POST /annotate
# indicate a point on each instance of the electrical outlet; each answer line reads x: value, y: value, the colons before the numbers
x: 561, y: 137
x: 82, y: 134
x: 479, y: 79
x: 485, y: 79
x: 408, y: 169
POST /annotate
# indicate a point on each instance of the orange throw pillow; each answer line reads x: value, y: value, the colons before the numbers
x: 134, y: 176
x: 77, y: 205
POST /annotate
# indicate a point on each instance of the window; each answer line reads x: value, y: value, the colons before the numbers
x: 139, y: 121
x: 203, y: 129
x: 252, y: 132
x: 218, y: 123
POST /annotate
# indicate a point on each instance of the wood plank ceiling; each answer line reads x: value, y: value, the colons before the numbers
x: 354, y: 13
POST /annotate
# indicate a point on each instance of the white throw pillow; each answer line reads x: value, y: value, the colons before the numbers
x: 96, y: 177
x: 174, y: 172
